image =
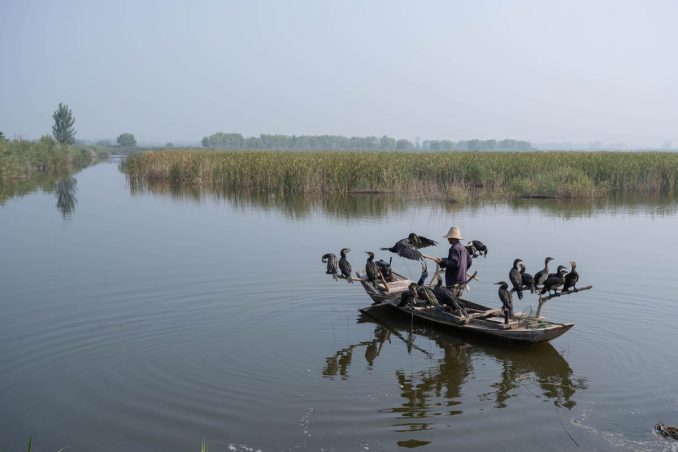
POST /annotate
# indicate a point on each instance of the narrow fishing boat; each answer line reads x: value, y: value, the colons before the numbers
x: 478, y: 319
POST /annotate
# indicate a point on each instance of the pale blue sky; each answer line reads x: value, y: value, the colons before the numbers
x: 177, y: 71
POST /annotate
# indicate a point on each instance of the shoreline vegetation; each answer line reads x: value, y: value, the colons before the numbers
x: 450, y: 176
x: 27, y: 165
x: 21, y: 159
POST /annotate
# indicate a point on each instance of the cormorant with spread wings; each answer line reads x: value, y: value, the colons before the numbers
x: 410, y: 245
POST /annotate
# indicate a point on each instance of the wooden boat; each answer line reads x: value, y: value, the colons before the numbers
x: 480, y: 320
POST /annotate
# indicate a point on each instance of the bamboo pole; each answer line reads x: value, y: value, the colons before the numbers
x: 543, y: 300
x: 435, y: 259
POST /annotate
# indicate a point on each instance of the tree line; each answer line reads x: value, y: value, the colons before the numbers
x: 221, y: 140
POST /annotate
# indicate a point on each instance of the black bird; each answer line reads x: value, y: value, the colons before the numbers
x: 345, y: 265
x: 480, y: 248
x: 332, y: 265
x: 516, y: 279
x: 571, y: 278
x: 506, y: 300
x: 426, y: 293
x: 528, y: 280
x: 553, y: 283
x: 446, y: 297
x: 371, y: 269
x: 471, y: 250
x: 409, y: 246
x: 409, y: 296
x: 423, y: 292
x: 560, y: 267
x: 542, y: 275
x: 385, y: 269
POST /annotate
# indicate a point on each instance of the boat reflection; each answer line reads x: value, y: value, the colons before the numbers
x: 443, y: 383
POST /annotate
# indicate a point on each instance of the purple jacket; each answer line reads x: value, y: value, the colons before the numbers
x: 456, y: 264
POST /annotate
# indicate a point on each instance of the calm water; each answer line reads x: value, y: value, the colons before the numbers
x: 150, y: 320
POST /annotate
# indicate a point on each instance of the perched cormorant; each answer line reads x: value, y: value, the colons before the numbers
x: 506, y: 300
x: 423, y: 292
x: 345, y: 265
x: 553, y: 283
x: 385, y: 269
x: 571, y: 278
x: 516, y: 279
x: 332, y: 265
x: 542, y: 275
x: 479, y: 247
x: 371, y: 269
x: 409, y: 246
x: 560, y: 267
x: 446, y: 297
x: 409, y: 296
x: 528, y: 280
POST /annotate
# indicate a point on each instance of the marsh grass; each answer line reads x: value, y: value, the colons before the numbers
x: 22, y: 159
x: 444, y: 175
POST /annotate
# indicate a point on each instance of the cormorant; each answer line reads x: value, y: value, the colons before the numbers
x: 553, y: 283
x: 542, y: 275
x: 385, y: 269
x: 423, y: 292
x: 371, y: 269
x: 560, y: 267
x: 528, y: 280
x: 506, y: 300
x: 516, y: 279
x: 332, y: 265
x: 409, y: 296
x: 446, y: 297
x: 571, y: 278
x: 345, y: 265
x: 480, y: 248
x: 409, y: 246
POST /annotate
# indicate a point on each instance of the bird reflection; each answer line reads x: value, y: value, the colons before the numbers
x: 437, y: 388
x: 65, y: 193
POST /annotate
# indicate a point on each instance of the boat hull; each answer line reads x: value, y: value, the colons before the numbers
x: 489, y: 323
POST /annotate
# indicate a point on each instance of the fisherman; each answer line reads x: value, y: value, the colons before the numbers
x: 457, y: 262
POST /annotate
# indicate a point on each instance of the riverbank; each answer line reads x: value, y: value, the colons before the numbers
x: 435, y: 175
x: 21, y: 159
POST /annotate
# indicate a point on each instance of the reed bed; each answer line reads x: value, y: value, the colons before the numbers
x: 448, y: 175
x: 22, y: 159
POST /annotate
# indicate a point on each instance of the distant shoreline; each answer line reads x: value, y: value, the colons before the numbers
x: 451, y: 175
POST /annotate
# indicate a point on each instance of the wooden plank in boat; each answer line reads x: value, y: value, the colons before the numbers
x: 397, y: 286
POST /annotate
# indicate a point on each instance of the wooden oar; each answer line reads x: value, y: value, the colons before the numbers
x: 383, y: 281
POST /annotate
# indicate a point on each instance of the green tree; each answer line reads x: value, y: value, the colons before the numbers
x: 127, y: 140
x: 62, y: 129
x: 2, y: 137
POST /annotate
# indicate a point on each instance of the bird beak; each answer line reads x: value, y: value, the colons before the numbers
x: 497, y: 283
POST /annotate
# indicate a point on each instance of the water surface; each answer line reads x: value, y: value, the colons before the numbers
x: 150, y: 319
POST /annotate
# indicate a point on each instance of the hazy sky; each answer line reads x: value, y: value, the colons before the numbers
x: 175, y: 71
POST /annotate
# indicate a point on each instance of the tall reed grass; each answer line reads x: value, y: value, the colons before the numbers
x: 431, y: 175
x: 21, y: 159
